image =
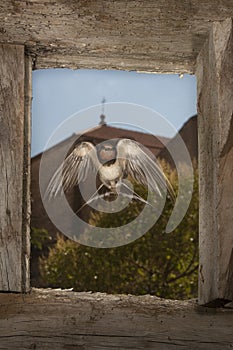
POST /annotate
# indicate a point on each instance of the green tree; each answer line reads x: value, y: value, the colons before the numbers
x: 158, y: 263
x: 39, y: 238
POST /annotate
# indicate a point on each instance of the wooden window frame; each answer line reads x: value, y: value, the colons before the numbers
x: 105, y: 314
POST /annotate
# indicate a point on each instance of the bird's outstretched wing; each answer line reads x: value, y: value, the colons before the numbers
x: 141, y: 167
x: 74, y: 169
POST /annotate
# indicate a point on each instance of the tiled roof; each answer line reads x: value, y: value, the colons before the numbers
x: 151, y: 141
x: 104, y: 132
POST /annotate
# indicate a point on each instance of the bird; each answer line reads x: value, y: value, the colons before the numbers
x: 113, y: 160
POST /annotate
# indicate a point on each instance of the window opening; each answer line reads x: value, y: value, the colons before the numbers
x: 159, y: 263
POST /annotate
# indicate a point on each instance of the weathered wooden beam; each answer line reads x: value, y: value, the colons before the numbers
x: 14, y: 167
x: 47, y: 319
x: 158, y: 36
x: 26, y: 205
x: 215, y: 110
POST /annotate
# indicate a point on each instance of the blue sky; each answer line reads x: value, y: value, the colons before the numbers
x: 61, y: 93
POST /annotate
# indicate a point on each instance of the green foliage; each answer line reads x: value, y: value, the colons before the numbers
x: 39, y: 237
x: 158, y: 263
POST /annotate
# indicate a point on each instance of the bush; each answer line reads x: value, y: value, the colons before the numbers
x: 158, y: 263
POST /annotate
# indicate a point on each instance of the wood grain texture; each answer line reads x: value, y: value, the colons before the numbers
x: 53, y: 319
x: 26, y: 203
x: 157, y: 36
x: 12, y: 115
x: 215, y: 111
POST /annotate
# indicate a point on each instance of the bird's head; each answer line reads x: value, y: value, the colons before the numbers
x: 107, y: 152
